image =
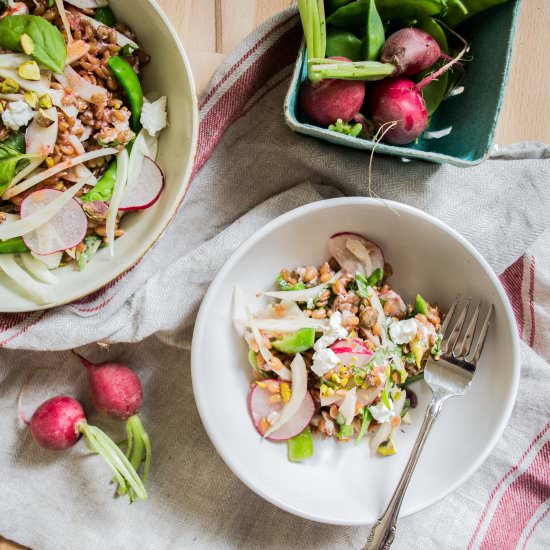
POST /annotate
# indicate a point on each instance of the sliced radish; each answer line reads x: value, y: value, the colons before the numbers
x: 260, y: 408
x: 56, y: 169
x: 81, y: 87
x: 393, y: 303
x: 38, y: 270
x: 299, y: 390
x: 355, y: 254
x: 64, y: 230
x: 147, y: 189
x: 352, y: 352
x: 40, y: 140
x: 41, y: 86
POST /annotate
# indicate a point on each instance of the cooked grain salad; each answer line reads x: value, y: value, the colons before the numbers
x: 336, y: 350
x: 78, y: 139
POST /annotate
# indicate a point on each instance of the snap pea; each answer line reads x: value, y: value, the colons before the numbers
x: 106, y: 16
x: 13, y: 246
x: 374, y: 33
x: 103, y: 189
x: 129, y: 80
x: 455, y: 15
x: 333, y: 5
x: 341, y: 43
x: 354, y: 13
x: 433, y: 28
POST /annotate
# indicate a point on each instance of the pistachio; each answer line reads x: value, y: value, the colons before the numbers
x: 43, y: 120
x: 31, y: 98
x: 29, y: 70
x: 27, y: 43
x: 10, y: 86
x: 45, y: 101
x: 2, y: 106
x: 49, y: 162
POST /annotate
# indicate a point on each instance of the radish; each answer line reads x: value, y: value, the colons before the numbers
x: 327, y: 101
x: 65, y: 230
x: 352, y: 352
x: 59, y: 423
x: 260, y: 410
x: 394, y: 306
x: 397, y: 105
x: 355, y: 254
x: 411, y: 50
x: 147, y: 189
x: 117, y: 393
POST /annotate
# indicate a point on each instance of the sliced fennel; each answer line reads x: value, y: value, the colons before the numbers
x: 118, y: 193
x: 36, y: 291
x: 38, y: 269
x: 299, y: 389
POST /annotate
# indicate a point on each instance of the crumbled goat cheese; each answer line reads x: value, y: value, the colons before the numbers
x: 153, y: 115
x: 17, y: 114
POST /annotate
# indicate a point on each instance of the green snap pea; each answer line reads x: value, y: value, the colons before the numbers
x: 433, y: 28
x: 374, y: 33
x: 456, y: 14
x: 130, y: 82
x: 103, y: 189
x: 13, y: 246
x: 354, y: 13
x: 105, y: 15
x: 333, y: 5
x: 341, y: 43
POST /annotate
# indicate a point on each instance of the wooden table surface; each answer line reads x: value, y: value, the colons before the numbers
x: 210, y: 29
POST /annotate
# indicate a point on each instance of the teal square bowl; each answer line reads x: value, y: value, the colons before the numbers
x: 473, y: 115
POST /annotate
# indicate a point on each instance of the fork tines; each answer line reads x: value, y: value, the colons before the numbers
x: 458, y: 336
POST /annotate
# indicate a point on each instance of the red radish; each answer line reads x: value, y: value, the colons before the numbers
x: 397, y: 105
x: 411, y: 50
x: 55, y: 425
x: 65, y: 230
x: 261, y: 408
x: 117, y: 393
x: 352, y: 352
x: 327, y: 101
x: 355, y: 254
x: 59, y: 423
x: 399, y: 101
x: 147, y: 189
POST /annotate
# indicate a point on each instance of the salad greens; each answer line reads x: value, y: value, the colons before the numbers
x: 10, y: 162
x: 48, y: 43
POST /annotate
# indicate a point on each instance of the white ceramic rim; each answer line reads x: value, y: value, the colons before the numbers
x: 202, y: 319
x: 184, y: 184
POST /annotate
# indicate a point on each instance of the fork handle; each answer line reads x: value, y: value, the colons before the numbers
x: 382, y: 532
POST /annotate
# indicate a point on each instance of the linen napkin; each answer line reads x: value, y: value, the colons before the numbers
x: 249, y: 169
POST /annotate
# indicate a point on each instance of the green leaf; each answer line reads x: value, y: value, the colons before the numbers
x: 300, y: 341
x: 9, y: 159
x: 49, y: 45
x: 367, y: 417
x: 345, y: 431
x: 420, y: 306
x: 106, y: 16
x: 283, y: 285
x: 363, y: 283
x: 15, y: 141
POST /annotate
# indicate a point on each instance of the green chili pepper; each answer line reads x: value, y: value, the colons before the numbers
x: 374, y: 34
x: 105, y: 15
x: 103, y: 189
x: 130, y: 82
x: 13, y: 246
x: 456, y: 14
x: 341, y: 43
x: 354, y: 13
x: 300, y: 447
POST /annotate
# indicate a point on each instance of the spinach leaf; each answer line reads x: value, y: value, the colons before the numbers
x: 49, y: 44
x: 15, y: 141
x: 9, y: 159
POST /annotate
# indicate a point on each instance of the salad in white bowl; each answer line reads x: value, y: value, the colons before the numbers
x: 335, y: 351
x: 78, y: 138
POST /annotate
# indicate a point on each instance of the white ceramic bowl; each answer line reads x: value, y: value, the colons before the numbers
x: 342, y: 483
x: 169, y: 74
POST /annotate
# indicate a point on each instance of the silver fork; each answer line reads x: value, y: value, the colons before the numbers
x: 449, y: 376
